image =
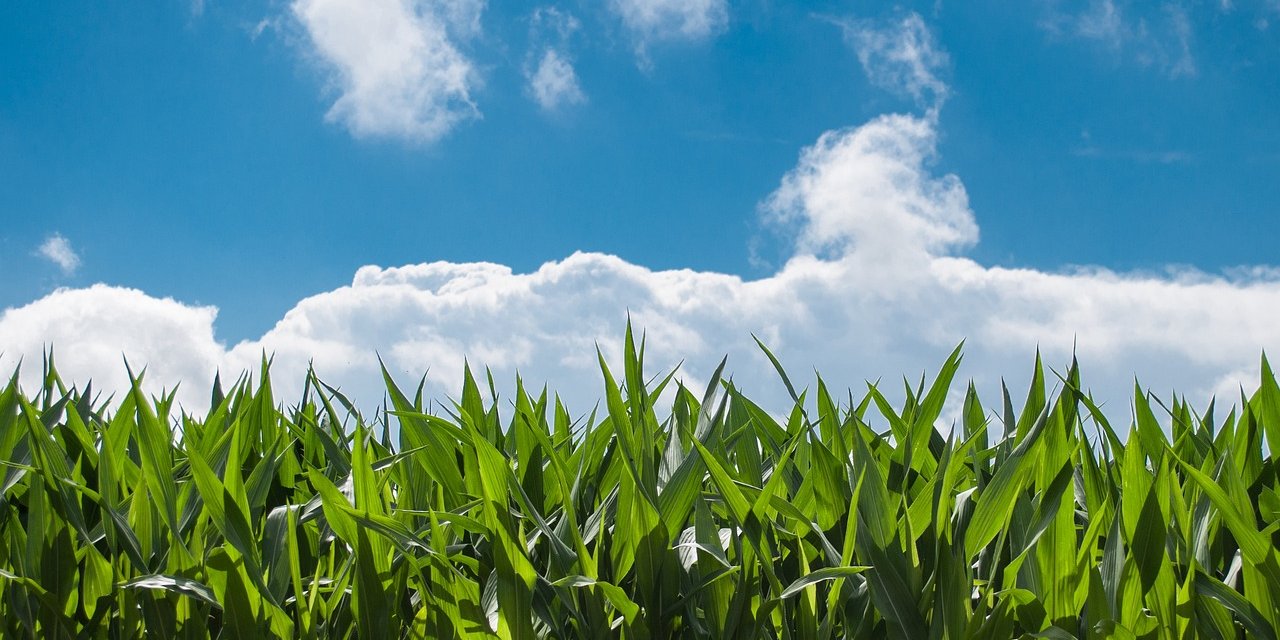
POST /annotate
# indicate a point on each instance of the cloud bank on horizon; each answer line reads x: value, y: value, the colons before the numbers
x: 877, y: 283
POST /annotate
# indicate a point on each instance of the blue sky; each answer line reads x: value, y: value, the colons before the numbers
x: 247, y: 155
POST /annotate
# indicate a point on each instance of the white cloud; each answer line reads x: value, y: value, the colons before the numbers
x: 554, y: 83
x: 903, y: 57
x: 1090, y: 149
x: 551, y: 79
x: 1102, y: 21
x: 1258, y: 7
x: 394, y: 64
x: 877, y: 287
x: 554, y: 23
x: 57, y: 250
x: 93, y: 329
x: 890, y: 298
x: 1180, y: 60
x: 865, y: 194
x: 653, y: 21
x: 462, y: 16
x: 1163, y: 39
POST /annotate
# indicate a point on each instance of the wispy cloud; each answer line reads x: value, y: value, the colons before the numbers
x: 1180, y: 62
x: 57, y: 249
x: 551, y: 79
x: 395, y: 65
x: 1136, y: 155
x: 1157, y: 36
x: 654, y: 21
x: 1089, y: 148
x: 901, y: 56
x: 554, y: 84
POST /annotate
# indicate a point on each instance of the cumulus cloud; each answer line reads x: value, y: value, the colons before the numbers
x: 890, y: 296
x: 878, y: 286
x: 653, y: 21
x: 1162, y: 39
x: 395, y: 65
x: 93, y: 329
x: 57, y: 249
x: 864, y: 194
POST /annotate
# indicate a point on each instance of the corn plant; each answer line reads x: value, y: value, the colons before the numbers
x: 848, y: 516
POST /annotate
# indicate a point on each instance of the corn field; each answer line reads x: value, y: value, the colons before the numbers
x: 851, y: 516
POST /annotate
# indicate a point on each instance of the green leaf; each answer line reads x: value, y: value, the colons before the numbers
x: 821, y: 575
x: 1242, y: 609
x: 995, y: 502
x: 174, y: 584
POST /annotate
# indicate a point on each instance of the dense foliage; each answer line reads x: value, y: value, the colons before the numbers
x: 506, y: 517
